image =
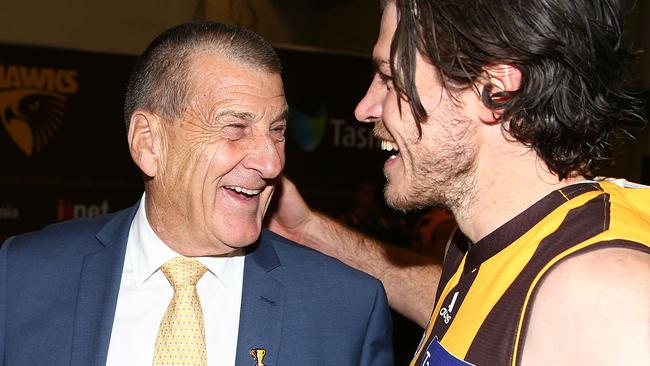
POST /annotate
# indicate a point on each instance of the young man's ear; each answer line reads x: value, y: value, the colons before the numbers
x: 498, y: 78
x: 143, y: 139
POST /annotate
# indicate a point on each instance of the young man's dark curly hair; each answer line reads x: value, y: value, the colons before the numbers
x: 573, y: 101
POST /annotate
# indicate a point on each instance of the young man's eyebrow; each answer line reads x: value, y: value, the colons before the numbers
x: 379, y: 63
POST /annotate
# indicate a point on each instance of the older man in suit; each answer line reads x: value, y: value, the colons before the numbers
x: 184, y: 277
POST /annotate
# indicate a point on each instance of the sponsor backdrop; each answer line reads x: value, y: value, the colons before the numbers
x: 63, y: 146
x: 63, y: 150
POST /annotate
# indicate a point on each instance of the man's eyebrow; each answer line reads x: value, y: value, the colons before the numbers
x: 378, y: 64
x: 283, y: 115
x: 247, y: 116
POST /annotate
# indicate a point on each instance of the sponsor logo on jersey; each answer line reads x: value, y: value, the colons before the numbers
x: 437, y: 355
x: 446, y: 312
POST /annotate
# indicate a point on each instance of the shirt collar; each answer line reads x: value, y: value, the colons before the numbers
x: 148, y: 253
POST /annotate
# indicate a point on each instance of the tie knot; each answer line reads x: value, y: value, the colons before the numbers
x: 182, y: 271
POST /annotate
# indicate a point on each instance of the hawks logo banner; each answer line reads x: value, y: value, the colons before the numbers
x: 63, y: 150
x: 33, y: 102
x: 61, y: 116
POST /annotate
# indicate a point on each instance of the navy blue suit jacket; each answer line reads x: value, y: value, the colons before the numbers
x: 59, y: 288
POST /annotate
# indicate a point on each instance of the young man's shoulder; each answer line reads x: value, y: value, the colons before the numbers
x: 592, y: 309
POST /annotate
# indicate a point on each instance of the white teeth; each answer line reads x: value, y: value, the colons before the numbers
x: 389, y: 146
x: 250, y: 192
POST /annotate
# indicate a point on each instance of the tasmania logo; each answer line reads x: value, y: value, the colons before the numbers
x: 307, y: 131
x: 33, y: 102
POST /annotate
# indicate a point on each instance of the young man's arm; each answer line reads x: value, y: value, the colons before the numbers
x: 410, y: 279
x: 593, y: 309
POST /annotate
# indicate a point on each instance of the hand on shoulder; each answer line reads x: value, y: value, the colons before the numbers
x: 289, y: 214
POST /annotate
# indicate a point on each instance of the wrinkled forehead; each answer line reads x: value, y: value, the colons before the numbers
x: 212, y: 64
x: 223, y: 90
x: 217, y: 76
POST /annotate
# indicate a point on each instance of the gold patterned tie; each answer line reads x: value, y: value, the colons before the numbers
x: 181, y: 336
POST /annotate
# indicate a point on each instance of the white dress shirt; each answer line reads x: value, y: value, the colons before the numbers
x: 145, y: 293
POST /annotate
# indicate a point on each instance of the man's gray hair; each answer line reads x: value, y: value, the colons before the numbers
x: 161, y: 79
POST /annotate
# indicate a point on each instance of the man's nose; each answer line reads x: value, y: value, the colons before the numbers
x: 266, y: 155
x: 369, y: 108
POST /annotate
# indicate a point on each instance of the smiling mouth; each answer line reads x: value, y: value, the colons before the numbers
x: 389, y: 147
x: 244, y: 191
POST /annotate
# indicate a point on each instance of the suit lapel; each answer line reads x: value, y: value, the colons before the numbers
x: 260, y: 323
x: 99, y: 285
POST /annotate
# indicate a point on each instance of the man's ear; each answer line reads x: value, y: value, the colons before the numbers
x: 143, y: 139
x: 497, y: 79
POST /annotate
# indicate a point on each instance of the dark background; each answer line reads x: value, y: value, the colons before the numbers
x: 85, y: 168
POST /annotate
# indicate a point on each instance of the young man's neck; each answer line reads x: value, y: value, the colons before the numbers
x: 506, y: 187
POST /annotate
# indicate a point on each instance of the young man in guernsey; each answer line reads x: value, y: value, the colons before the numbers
x: 503, y: 112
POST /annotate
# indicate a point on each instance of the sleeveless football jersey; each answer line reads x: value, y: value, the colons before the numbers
x: 486, y: 290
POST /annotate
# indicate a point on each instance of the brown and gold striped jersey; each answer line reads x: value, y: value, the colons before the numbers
x: 486, y: 290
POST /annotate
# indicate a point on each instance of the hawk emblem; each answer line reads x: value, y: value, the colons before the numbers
x: 31, y: 117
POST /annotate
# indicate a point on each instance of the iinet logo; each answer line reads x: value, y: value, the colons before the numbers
x: 70, y: 210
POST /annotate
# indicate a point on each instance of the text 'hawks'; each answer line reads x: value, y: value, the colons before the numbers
x: 49, y: 79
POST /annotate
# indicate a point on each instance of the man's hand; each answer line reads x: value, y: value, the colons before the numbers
x: 290, y: 214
